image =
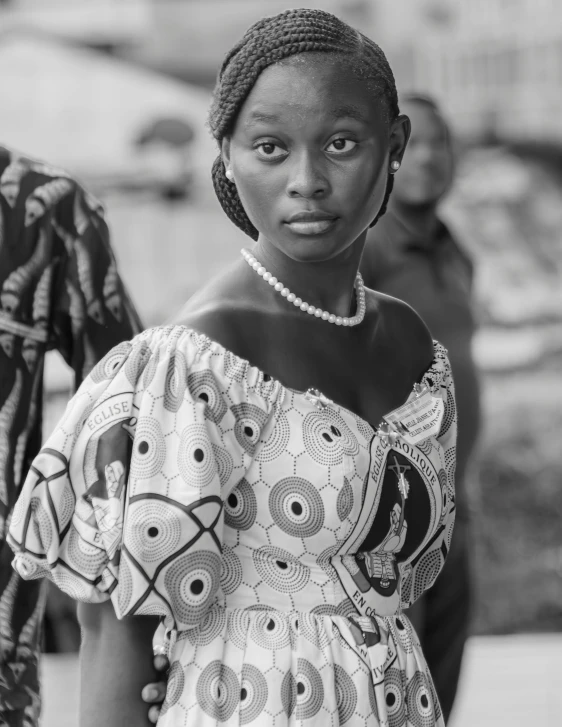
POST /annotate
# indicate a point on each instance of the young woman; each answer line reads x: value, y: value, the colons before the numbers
x: 272, y: 476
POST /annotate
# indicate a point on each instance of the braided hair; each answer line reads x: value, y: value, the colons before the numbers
x: 270, y: 41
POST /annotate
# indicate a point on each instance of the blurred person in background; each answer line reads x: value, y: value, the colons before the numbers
x: 412, y: 255
x: 59, y: 289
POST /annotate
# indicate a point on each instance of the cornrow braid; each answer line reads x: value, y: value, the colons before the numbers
x: 269, y: 41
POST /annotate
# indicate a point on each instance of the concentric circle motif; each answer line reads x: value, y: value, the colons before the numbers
x: 136, y: 362
x: 344, y: 503
x: 65, y: 507
x: 442, y: 475
x: 277, y: 441
x: 435, y: 698
x: 241, y: 507
x: 70, y: 584
x: 373, y: 699
x: 340, y: 430
x: 150, y: 369
x: 406, y: 588
x: 271, y: 630
x: 231, y: 571
x: 420, y: 701
x: 218, y: 691
x: 111, y: 363
x: 346, y: 608
x: 325, y: 609
x: 449, y: 414
x: 289, y: 694
x: 42, y: 525
x: 346, y: 694
x: 426, y: 571
x: 308, y: 628
x: 402, y: 633
x: 253, y: 694
x: 319, y: 441
x: 204, y: 389
x: 174, y: 687
x: 238, y: 627
x: 280, y: 570
x: 310, y: 690
x: 211, y: 628
x: 149, y: 449
x: 176, y: 382
x: 224, y: 462
x: 83, y: 557
x: 152, y: 530
x: 250, y: 420
x: 296, y: 507
x: 394, y: 691
x: 196, y: 462
x: 125, y: 587
x: 426, y: 446
x: 234, y: 367
x: 363, y: 428
x: 324, y: 560
x: 192, y: 582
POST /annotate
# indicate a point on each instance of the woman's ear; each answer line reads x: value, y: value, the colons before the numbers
x: 399, y: 135
x: 225, y: 152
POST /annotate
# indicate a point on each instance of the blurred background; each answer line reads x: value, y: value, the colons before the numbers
x: 117, y: 91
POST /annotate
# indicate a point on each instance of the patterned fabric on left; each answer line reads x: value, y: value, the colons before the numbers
x: 59, y: 288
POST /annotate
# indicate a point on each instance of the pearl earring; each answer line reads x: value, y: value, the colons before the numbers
x: 395, y: 166
x: 229, y: 175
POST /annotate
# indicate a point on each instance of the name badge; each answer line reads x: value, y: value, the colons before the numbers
x: 418, y: 419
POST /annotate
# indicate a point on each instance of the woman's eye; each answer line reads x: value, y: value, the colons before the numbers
x: 270, y: 151
x: 341, y: 146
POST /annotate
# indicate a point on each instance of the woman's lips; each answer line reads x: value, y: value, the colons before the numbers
x: 311, y: 226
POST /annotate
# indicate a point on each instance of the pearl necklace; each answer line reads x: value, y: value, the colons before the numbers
x: 305, y: 307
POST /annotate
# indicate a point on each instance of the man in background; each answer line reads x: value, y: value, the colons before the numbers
x: 412, y: 255
x: 59, y: 289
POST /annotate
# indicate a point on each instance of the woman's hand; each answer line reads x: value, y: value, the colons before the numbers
x: 155, y: 692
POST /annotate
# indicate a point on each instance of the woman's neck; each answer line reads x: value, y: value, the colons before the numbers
x: 328, y: 284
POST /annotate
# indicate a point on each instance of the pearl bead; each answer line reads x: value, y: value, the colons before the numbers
x: 338, y: 321
x: 311, y: 309
x: 256, y: 266
x: 332, y: 318
x: 304, y: 306
x: 325, y: 315
x: 266, y: 276
x: 345, y: 322
x: 318, y: 313
x: 278, y: 287
x: 291, y: 297
x: 284, y: 292
x: 272, y: 281
x: 261, y: 270
x: 297, y: 302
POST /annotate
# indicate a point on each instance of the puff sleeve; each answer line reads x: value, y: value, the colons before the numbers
x: 125, y: 501
x: 438, y: 456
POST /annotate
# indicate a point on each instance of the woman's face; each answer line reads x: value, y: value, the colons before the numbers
x: 310, y: 156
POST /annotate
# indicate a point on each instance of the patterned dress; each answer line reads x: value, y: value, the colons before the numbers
x: 59, y: 288
x: 277, y: 534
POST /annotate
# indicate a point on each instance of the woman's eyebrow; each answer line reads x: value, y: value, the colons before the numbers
x: 258, y: 116
x: 348, y: 111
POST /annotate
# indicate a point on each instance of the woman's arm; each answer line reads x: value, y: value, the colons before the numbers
x: 115, y: 664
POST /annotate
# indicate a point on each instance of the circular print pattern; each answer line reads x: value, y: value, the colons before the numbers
x: 253, y: 694
x: 150, y: 369
x: 136, y: 362
x: 231, y: 571
x: 394, y: 688
x: 309, y: 629
x: 280, y: 570
x: 276, y: 443
x: 125, y: 586
x: 224, y: 462
x: 346, y: 694
x: 111, y: 363
x: 426, y: 571
x: 250, y: 420
x: 174, y: 687
x: 310, y: 690
x: 271, y: 630
x: 218, y: 691
x: 176, y: 382
x: 212, y: 627
x: 420, y: 701
x: 238, y: 627
x: 196, y: 462
x: 152, y: 531
x: 65, y: 508
x: 289, y: 694
x: 319, y: 441
x: 149, y: 449
x: 42, y: 525
x: 85, y: 558
x: 402, y: 633
x: 204, y: 388
x: 340, y: 430
x: 296, y: 507
x: 241, y: 507
x: 192, y: 582
x: 234, y: 367
x: 449, y: 414
x: 344, y: 502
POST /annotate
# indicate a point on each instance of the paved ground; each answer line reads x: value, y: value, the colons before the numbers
x: 508, y: 681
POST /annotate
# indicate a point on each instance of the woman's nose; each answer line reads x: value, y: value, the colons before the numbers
x: 307, y: 178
